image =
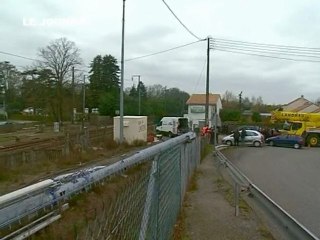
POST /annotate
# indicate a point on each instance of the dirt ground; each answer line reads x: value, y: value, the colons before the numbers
x: 209, y: 212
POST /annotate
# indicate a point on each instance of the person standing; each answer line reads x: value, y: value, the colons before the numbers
x: 205, y: 130
x: 236, y: 136
x: 243, y: 135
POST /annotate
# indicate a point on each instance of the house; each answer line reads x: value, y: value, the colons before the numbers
x: 301, y: 105
x: 197, y: 106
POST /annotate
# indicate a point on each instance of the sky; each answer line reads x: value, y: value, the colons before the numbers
x: 96, y: 25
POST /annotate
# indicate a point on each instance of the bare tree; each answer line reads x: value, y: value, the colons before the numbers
x: 229, y: 96
x: 59, y: 57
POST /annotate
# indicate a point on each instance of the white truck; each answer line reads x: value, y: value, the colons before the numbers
x: 173, y: 126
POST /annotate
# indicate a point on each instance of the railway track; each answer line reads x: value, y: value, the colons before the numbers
x: 31, y: 144
x: 50, y: 142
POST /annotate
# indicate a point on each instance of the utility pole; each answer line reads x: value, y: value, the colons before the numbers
x: 207, y: 84
x: 4, y: 97
x: 72, y: 116
x: 139, y: 95
x: 215, y: 126
x: 121, y: 73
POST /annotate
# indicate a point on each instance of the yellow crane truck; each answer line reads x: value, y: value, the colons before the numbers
x: 306, y: 125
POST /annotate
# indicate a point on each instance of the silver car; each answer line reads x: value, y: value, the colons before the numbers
x: 252, y: 137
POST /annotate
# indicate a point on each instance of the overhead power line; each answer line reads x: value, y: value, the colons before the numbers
x: 31, y: 59
x: 273, y: 49
x: 267, y: 56
x: 265, y: 44
x: 185, y: 27
x: 200, y: 76
x: 266, y: 51
x: 164, y: 51
x: 284, y: 52
x: 19, y: 56
x: 127, y: 60
x: 237, y: 47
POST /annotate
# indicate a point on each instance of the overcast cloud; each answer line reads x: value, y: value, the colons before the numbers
x: 150, y: 27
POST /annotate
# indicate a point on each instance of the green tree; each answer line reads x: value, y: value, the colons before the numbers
x: 10, y: 82
x: 227, y: 114
x: 108, y: 104
x: 175, y: 102
x: 142, y: 91
x: 132, y: 100
x: 133, y: 92
x: 256, y: 117
x: 161, y: 101
x: 38, y: 90
x: 156, y: 91
x: 104, y: 83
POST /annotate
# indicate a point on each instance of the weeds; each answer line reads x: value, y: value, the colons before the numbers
x: 205, y: 151
x: 193, y: 186
x: 179, y: 228
x: 139, y: 143
x: 228, y: 193
x: 27, y: 171
x: 265, y: 233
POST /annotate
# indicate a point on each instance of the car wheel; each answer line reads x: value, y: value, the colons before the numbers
x: 229, y: 143
x: 170, y: 135
x: 257, y: 144
x: 271, y: 143
x: 296, y: 145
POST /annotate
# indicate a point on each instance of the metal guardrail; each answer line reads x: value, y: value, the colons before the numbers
x: 290, y: 227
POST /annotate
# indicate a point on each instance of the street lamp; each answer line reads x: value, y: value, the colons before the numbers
x: 138, y: 92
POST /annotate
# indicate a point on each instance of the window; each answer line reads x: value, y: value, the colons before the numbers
x: 296, y: 126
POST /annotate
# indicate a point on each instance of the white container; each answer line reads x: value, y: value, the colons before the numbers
x: 56, y: 127
x: 134, y: 128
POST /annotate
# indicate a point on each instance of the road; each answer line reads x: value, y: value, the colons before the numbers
x: 290, y: 177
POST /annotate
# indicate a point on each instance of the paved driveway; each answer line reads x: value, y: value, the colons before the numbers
x: 290, y: 177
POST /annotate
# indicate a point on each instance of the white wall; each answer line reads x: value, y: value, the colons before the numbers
x: 134, y: 128
x: 200, y: 116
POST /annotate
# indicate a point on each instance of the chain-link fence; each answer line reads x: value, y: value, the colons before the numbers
x: 147, y: 203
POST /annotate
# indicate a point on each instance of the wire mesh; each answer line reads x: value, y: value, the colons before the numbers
x: 147, y: 205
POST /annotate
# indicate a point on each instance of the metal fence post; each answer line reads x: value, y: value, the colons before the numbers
x: 182, y: 173
x: 149, y: 199
x: 157, y: 198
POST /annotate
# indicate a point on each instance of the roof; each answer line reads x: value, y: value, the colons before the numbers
x: 200, y: 99
x: 130, y: 117
x: 301, y: 105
